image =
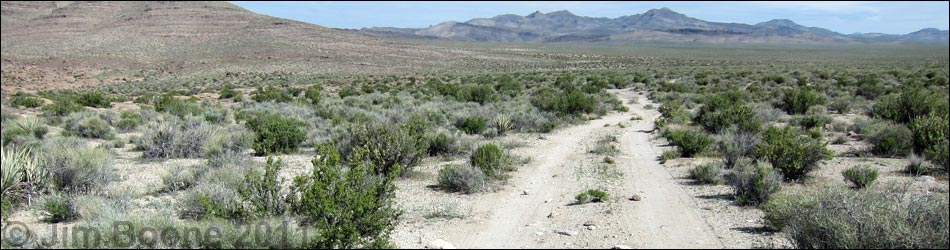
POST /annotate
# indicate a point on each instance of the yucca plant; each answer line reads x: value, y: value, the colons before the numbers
x: 502, y: 124
x: 14, y: 161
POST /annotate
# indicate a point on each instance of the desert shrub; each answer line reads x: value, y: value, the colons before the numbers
x: 74, y: 168
x: 605, y: 146
x: 172, y: 105
x: 58, y: 209
x: 939, y: 155
x: 173, y: 138
x: 275, y: 133
x: 841, y: 105
x: 753, y: 184
x: 797, y: 101
x: 892, y: 140
x: 23, y: 100
x: 790, y: 153
x: 88, y: 125
x: 227, y: 93
x: 909, y: 104
x: 93, y: 99
x: 669, y: 155
x: 30, y: 127
x: 916, y: 165
x: 734, y: 145
x: 227, y: 145
x: 723, y: 111
x: 478, y: 93
x: 462, y: 178
x: 313, y: 94
x: 689, y: 142
x: 860, y: 176
x: 209, y: 200
x: 271, y: 94
x: 61, y: 107
x: 814, y: 121
x: 386, y: 146
x: 181, y: 177
x: 865, y: 219
x: 14, y: 164
x: 674, y: 112
x: 591, y: 195
x: 443, y: 144
x: 489, y: 158
x: 129, y: 120
x: 706, y: 174
x: 348, y: 208
x: 570, y: 102
x: 263, y: 192
x: 472, y: 125
x: 929, y: 131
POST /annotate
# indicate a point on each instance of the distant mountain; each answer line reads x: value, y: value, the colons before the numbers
x: 654, y: 25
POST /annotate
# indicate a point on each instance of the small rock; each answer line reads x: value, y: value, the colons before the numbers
x: 707, y: 208
x: 621, y: 247
x: 565, y: 232
x: 553, y: 214
x: 591, y: 228
x: 589, y: 223
x: 539, y: 233
x: 547, y: 201
x: 926, y: 179
x: 440, y: 244
x: 852, y: 134
x: 524, y: 192
x: 636, y: 197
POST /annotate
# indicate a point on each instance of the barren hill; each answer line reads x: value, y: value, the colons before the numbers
x: 78, y: 43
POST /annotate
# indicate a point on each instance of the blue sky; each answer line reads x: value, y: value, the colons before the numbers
x: 843, y: 17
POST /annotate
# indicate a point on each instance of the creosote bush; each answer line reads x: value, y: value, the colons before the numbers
x: 591, y: 195
x: 706, y: 174
x: 472, y: 125
x: 790, y: 153
x: 690, y: 142
x: 860, y: 176
x: 754, y: 183
x: 798, y: 101
x: 892, y: 140
x: 490, y: 159
x: 275, y: 134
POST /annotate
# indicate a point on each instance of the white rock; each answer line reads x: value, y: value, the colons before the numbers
x: 440, y: 244
x: 566, y: 232
x: 621, y: 247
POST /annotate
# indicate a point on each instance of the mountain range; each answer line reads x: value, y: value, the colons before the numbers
x: 654, y: 25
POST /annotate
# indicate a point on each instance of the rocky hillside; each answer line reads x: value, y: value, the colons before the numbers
x: 654, y: 25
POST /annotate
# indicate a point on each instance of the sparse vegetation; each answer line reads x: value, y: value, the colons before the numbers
x: 706, y: 174
x: 860, y: 176
x: 790, y: 153
x: 690, y: 142
x: 462, y: 178
x: 754, y: 183
x: 490, y: 159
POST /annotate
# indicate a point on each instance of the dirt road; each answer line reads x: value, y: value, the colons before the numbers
x: 562, y: 167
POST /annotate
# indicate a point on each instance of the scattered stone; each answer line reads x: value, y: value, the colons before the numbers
x: 926, y: 179
x: 621, y: 247
x: 553, y: 214
x: 708, y: 208
x: 589, y: 223
x: 547, y: 201
x: 524, y: 192
x: 636, y: 197
x: 440, y: 244
x: 539, y: 233
x: 591, y: 228
x: 567, y: 233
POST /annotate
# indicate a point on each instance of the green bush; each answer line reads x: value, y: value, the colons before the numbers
x: 479, y: 93
x: 348, y: 208
x: 591, y: 195
x: 275, y: 133
x: 797, y: 101
x: 860, y: 176
x: 172, y: 105
x: 939, y: 155
x: 472, y: 125
x: 442, y: 144
x: 93, y: 99
x: 263, y: 192
x: 226, y: 146
x: 790, y: 153
x: 864, y: 219
x: 313, y: 94
x: 24, y: 100
x: 271, y: 94
x: 690, y: 142
x: 74, y: 168
x: 706, y: 174
x: 892, y: 140
x: 723, y: 111
x: 929, y: 131
x: 61, y: 107
x: 669, y: 155
x: 570, y: 102
x: 182, y: 177
x: 59, y: 209
x: 129, y: 120
x: 753, y: 184
x: 909, y: 104
x: 489, y: 158
x: 462, y: 178
x: 214, y: 199
x: 88, y: 125
x: 387, y: 146
x: 174, y: 138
